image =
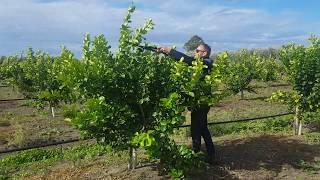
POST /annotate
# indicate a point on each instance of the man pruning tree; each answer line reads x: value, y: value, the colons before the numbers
x: 198, y: 116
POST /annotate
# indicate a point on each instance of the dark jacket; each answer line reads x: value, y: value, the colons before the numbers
x: 187, y: 59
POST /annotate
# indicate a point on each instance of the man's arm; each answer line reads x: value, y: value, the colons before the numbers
x: 187, y: 59
x: 175, y: 54
x: 178, y: 55
x: 208, y: 62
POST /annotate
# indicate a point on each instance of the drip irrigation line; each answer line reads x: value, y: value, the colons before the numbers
x: 272, y: 85
x: 8, y: 100
x: 183, y: 126
x: 17, y: 99
x: 241, y: 120
x: 39, y: 146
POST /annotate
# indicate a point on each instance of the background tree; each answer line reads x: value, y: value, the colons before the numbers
x: 193, y: 43
x: 302, y: 64
x: 238, y: 71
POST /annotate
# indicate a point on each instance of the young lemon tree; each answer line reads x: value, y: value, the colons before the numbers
x: 237, y: 73
x: 303, y: 68
x: 135, y: 98
x: 269, y: 69
x: 35, y: 77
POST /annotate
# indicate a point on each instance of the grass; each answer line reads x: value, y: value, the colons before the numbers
x: 37, y: 161
x: 311, y: 168
x: 32, y: 128
x: 9, y: 93
x: 38, y: 125
x: 313, y: 137
x: 254, y: 105
x: 35, y: 126
x: 19, y: 137
x: 29, y: 126
x: 279, y: 124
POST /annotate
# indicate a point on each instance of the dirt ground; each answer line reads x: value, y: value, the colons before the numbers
x: 268, y: 156
x: 256, y: 156
x: 22, y: 125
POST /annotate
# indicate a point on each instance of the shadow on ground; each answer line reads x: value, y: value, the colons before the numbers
x: 263, y: 157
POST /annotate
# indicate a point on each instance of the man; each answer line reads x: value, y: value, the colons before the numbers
x: 198, y: 116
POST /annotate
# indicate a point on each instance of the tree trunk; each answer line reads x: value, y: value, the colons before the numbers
x: 242, y: 95
x: 300, y: 128
x: 52, y: 111
x: 143, y: 116
x: 188, y: 120
x: 297, y: 122
x: 132, y: 158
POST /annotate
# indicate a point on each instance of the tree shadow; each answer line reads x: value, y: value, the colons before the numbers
x: 271, y: 85
x: 262, y: 98
x: 211, y: 172
x: 7, y: 105
x: 270, y: 152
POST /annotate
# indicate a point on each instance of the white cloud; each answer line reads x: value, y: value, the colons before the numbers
x: 32, y: 23
x: 48, y: 24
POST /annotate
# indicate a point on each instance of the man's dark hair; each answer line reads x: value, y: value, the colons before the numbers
x: 207, y: 47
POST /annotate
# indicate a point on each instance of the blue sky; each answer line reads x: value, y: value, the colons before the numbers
x: 223, y: 24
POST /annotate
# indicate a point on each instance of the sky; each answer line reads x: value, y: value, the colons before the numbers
x: 48, y: 25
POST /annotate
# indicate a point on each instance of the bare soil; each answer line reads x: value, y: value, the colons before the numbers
x: 22, y: 125
x: 257, y: 156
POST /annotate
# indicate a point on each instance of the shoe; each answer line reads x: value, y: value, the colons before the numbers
x: 212, y: 161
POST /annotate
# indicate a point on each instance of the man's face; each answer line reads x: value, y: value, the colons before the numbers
x: 201, y: 51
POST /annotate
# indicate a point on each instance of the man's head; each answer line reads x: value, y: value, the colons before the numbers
x: 203, y: 50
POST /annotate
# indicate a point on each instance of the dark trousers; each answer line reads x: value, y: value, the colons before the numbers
x: 200, y: 129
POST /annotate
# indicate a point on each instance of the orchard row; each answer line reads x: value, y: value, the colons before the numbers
x: 134, y: 97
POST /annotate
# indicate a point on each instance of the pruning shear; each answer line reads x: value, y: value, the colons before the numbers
x: 149, y: 48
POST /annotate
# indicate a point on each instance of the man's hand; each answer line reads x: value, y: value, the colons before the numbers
x: 164, y: 49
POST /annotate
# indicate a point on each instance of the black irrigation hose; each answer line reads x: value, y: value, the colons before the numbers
x: 17, y: 99
x: 241, y: 120
x: 152, y: 48
x: 274, y: 85
x: 39, y: 146
x: 183, y: 126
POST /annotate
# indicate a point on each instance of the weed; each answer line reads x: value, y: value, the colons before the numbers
x: 36, y: 160
x: 313, y: 137
x: 313, y: 168
x: 19, y: 136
